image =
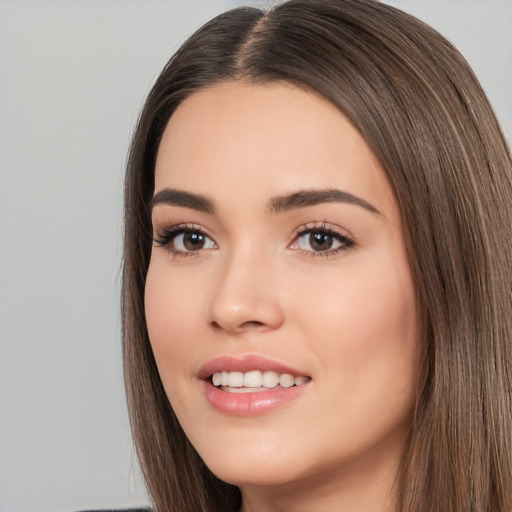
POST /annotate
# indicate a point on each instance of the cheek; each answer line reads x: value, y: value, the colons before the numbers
x: 379, y: 310
x: 365, y: 320
x: 374, y: 302
x: 171, y: 313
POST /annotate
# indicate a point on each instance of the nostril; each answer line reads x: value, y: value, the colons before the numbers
x: 252, y: 324
x: 245, y: 326
x: 215, y: 325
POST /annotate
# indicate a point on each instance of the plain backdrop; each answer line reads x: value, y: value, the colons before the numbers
x: 73, y: 76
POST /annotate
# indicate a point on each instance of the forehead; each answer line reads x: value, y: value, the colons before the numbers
x: 267, y: 139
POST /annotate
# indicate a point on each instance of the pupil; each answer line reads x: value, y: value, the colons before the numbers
x: 193, y: 241
x: 320, y: 241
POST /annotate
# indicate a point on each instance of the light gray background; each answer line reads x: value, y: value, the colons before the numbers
x: 73, y: 75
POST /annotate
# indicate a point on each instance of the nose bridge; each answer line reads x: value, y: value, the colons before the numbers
x: 244, y: 297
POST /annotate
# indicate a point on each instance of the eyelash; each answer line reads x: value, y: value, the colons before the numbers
x: 166, y: 237
x: 323, y: 228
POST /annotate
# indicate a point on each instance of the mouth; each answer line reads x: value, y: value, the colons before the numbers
x: 255, y: 380
x: 250, y: 385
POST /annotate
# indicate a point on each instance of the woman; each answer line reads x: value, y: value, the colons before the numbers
x: 317, y: 280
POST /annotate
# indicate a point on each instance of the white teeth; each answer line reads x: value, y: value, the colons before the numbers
x: 300, y: 380
x: 270, y: 379
x: 286, y: 380
x: 253, y: 380
x: 257, y: 379
x: 236, y: 380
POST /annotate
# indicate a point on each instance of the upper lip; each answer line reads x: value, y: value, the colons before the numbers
x: 244, y: 364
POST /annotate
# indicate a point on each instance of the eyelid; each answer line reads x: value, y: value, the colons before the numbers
x: 163, y: 236
x: 323, y: 225
x: 343, y: 236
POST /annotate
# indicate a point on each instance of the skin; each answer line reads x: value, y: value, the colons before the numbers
x: 346, y: 319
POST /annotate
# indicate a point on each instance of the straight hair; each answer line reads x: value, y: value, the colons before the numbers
x: 421, y: 110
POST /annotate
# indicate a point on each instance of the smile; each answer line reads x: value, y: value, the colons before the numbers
x: 250, y: 385
x: 255, y: 380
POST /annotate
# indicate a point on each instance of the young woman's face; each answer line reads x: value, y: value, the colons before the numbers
x: 279, y: 301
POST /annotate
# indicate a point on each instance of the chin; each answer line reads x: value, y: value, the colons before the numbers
x: 249, y: 473
x: 260, y: 461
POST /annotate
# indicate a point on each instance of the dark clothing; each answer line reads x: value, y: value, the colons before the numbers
x: 119, y: 510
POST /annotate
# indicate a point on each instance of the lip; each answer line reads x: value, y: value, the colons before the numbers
x: 248, y: 404
x: 244, y: 364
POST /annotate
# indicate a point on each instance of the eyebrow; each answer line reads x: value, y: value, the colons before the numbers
x: 305, y: 198
x: 174, y: 197
x: 279, y: 204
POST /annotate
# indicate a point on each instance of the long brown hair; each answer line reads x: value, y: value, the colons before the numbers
x: 422, y: 111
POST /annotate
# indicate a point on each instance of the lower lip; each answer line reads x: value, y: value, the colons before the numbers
x: 250, y: 404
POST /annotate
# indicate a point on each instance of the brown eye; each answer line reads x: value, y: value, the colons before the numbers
x: 191, y: 241
x: 319, y: 241
x: 183, y: 240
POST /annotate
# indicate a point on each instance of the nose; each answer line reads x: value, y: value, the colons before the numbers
x: 245, y: 297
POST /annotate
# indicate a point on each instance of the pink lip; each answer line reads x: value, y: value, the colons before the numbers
x: 247, y: 404
x: 244, y: 364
